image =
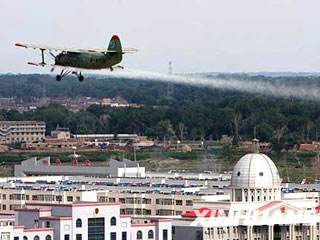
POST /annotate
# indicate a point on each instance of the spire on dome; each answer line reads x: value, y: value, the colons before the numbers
x: 255, y: 145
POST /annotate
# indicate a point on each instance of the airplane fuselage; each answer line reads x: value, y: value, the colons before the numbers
x: 88, y: 60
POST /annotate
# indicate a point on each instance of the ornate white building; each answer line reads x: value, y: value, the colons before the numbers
x: 257, y: 209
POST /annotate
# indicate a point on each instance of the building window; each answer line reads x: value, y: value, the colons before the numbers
x: 78, y: 223
x: 124, y: 236
x: 47, y: 224
x: 79, y: 237
x: 96, y: 229
x: 16, y: 238
x: 66, y: 237
x: 36, y: 237
x: 150, y: 234
x: 69, y: 198
x: 113, y: 221
x: 165, y: 234
x: 113, y: 236
x: 5, y: 236
x: 25, y: 238
x: 139, y: 235
x: 48, y: 237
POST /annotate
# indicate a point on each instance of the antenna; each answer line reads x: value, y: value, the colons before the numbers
x: 170, y: 85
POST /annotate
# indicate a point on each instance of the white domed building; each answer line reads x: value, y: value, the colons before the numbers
x: 255, y: 178
x: 256, y: 210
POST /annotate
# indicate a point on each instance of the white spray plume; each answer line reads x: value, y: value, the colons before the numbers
x: 274, y: 88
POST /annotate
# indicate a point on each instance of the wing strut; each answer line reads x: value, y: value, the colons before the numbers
x: 42, y: 56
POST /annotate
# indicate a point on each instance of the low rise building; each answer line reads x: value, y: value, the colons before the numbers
x: 61, y: 133
x: 35, y: 167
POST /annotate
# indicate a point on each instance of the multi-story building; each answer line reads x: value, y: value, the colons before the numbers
x: 91, y: 221
x: 21, y: 131
x: 257, y: 209
x: 137, y: 196
x: 11, y: 231
x: 82, y: 220
x: 11, y: 199
x: 154, y: 204
x: 133, y: 204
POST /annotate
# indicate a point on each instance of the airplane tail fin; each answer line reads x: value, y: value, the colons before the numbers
x: 115, y: 44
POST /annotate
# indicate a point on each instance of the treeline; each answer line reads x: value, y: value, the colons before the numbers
x: 187, y: 112
x: 34, y: 86
x: 283, y: 122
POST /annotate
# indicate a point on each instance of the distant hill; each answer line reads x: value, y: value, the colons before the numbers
x: 141, y: 91
x: 265, y: 74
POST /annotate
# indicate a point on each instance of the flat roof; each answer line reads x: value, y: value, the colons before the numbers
x: 74, y: 204
x: 22, y: 122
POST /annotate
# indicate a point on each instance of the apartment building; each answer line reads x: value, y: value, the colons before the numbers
x: 153, y: 204
x: 133, y: 204
x: 11, y: 199
x: 21, y: 131
x: 136, y: 196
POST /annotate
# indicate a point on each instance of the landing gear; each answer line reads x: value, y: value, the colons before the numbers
x: 111, y: 69
x: 79, y: 75
x: 64, y: 73
x: 58, y: 78
x: 81, y: 78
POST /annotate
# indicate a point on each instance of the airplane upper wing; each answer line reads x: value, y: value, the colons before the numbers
x: 75, y: 50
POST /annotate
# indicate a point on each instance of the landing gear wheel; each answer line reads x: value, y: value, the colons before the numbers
x: 81, y: 78
x: 58, y: 78
x: 111, y: 69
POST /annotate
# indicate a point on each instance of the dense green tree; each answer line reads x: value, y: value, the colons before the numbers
x: 264, y: 132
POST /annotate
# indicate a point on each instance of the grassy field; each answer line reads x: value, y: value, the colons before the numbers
x: 293, y: 166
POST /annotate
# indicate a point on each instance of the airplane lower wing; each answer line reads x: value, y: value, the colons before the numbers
x: 71, y: 69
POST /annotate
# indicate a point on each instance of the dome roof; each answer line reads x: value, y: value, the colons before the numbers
x: 255, y: 170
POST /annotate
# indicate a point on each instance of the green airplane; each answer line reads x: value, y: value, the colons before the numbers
x: 76, y: 60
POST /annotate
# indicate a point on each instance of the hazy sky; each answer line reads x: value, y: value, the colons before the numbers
x: 196, y: 35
